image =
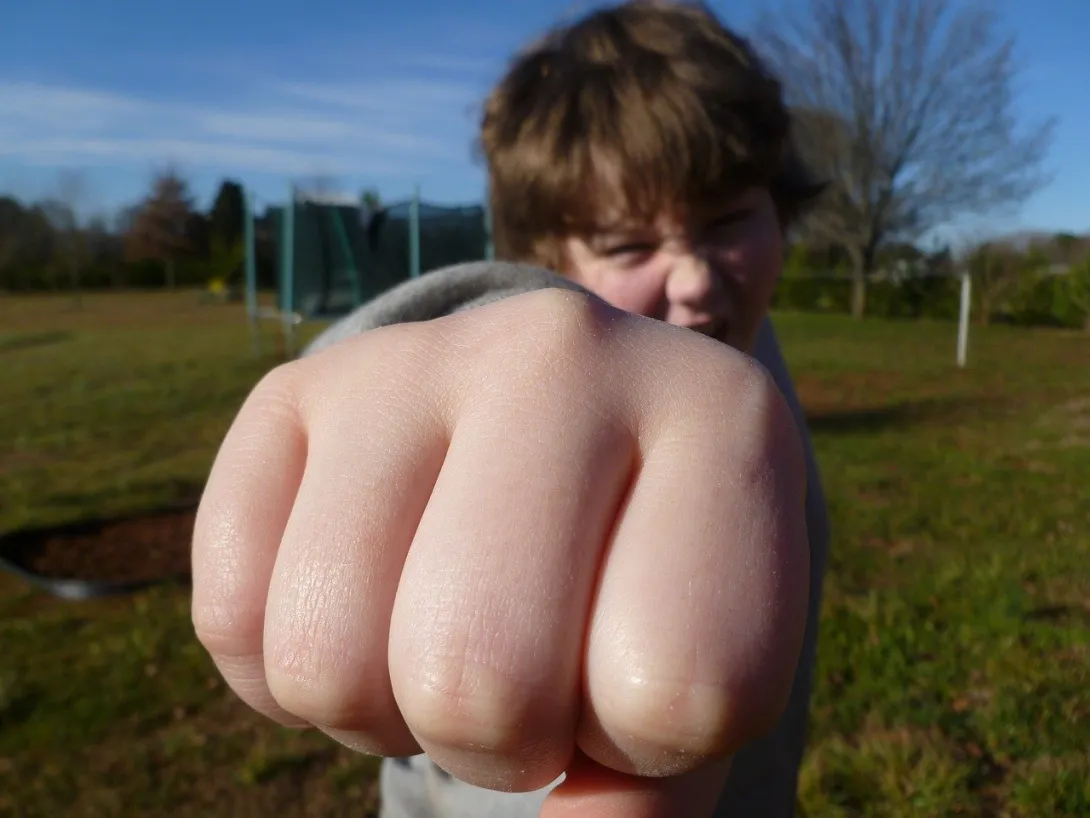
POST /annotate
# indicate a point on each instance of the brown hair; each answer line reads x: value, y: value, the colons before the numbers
x: 649, y: 102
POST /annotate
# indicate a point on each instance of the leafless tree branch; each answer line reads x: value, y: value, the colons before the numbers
x: 907, y: 108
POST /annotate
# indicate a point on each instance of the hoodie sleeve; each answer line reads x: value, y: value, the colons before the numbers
x: 442, y: 292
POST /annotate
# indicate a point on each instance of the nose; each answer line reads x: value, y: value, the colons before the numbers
x: 691, y: 283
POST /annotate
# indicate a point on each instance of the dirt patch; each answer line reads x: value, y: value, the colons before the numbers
x: 1073, y: 414
x: 846, y: 391
x: 1069, y: 420
x: 133, y: 550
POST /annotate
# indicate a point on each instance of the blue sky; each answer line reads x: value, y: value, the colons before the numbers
x: 364, y: 92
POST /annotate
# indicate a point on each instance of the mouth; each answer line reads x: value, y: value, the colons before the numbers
x: 713, y: 329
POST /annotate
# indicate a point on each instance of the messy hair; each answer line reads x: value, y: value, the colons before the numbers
x: 648, y: 103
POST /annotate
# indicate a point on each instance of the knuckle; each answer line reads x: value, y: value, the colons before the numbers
x: 762, y: 403
x: 572, y: 322
x: 309, y: 684
x: 397, y: 363
x: 566, y: 309
x: 456, y: 705
x: 667, y: 719
x: 451, y: 711
x: 278, y: 385
x: 775, y: 443
x: 559, y: 331
x: 415, y: 341
x: 226, y: 630
x: 750, y: 385
x: 763, y: 431
x: 275, y: 400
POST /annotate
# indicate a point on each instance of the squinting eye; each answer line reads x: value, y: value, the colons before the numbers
x: 630, y: 250
x: 731, y: 219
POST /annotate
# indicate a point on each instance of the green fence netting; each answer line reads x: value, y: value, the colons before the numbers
x: 332, y: 258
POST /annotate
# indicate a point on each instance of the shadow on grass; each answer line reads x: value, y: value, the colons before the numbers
x: 17, y: 704
x: 29, y: 340
x: 1058, y: 614
x: 904, y: 414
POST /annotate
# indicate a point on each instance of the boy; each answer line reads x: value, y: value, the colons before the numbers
x: 642, y: 153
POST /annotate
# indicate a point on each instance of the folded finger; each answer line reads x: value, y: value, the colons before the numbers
x: 368, y: 477
x: 237, y: 534
x: 701, y: 602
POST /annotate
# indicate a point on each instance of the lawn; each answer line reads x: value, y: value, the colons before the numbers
x: 954, y: 667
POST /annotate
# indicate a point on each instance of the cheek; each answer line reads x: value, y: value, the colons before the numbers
x: 637, y: 290
x: 753, y: 265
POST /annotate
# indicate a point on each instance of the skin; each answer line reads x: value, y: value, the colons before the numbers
x: 374, y: 557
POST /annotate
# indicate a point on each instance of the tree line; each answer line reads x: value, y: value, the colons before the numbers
x: 165, y: 241
x: 1038, y: 279
x: 162, y: 241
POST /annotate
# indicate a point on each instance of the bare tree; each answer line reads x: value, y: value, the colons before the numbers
x: 159, y: 227
x: 1069, y: 249
x: 995, y: 268
x: 906, y: 108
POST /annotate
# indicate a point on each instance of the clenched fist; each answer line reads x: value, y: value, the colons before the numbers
x: 542, y: 536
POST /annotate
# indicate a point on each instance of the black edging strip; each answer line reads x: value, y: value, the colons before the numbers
x: 82, y: 589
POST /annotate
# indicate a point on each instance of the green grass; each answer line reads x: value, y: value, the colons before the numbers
x: 954, y: 665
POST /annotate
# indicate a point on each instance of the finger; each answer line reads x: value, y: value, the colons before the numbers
x: 588, y: 789
x: 488, y: 625
x: 701, y: 605
x: 238, y: 529
x: 368, y: 476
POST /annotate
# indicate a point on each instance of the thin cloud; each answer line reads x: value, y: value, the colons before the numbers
x: 391, y: 125
x: 299, y: 129
x: 38, y: 105
x: 391, y: 96
x: 196, y: 153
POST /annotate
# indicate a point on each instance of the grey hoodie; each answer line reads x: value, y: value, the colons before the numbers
x: 764, y: 774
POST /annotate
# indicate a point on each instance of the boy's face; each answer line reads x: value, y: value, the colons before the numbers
x: 712, y: 271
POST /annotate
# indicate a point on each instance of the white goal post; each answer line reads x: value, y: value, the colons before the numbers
x: 961, y: 355
x: 963, y: 318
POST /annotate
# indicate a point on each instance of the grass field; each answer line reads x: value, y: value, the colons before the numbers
x: 954, y: 667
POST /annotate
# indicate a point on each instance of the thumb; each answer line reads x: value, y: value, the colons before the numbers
x: 590, y: 790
